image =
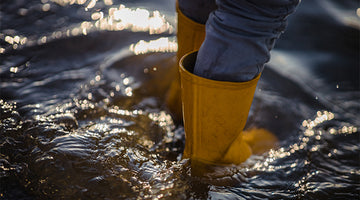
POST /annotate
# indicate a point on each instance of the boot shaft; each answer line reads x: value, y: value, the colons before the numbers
x: 214, y: 112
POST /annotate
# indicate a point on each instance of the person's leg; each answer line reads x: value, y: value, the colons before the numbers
x: 192, y: 16
x: 239, y: 37
x: 198, y: 10
x: 218, y: 83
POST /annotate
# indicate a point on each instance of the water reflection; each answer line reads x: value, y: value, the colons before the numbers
x: 15, y: 41
x: 320, y: 118
x: 304, y: 144
x: 68, y: 2
x: 46, y: 7
x: 132, y: 19
x: 115, y: 18
x: 162, y: 44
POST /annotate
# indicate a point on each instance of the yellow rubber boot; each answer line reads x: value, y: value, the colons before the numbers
x: 215, y: 113
x: 190, y: 36
x: 260, y: 140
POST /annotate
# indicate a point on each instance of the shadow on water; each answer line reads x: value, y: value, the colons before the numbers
x: 83, y: 115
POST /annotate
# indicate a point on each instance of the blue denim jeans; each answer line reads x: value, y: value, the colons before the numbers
x: 239, y: 35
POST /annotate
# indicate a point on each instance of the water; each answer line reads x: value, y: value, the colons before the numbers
x: 83, y: 116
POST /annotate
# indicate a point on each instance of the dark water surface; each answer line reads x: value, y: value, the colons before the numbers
x: 82, y: 111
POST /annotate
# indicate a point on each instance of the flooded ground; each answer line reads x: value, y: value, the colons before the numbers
x: 82, y: 110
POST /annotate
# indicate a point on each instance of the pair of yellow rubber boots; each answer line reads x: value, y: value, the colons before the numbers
x: 214, y: 112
